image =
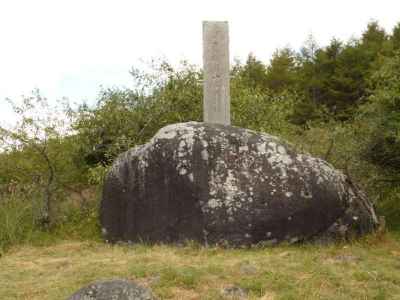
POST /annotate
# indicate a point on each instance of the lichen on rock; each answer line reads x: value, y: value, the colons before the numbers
x: 228, y: 185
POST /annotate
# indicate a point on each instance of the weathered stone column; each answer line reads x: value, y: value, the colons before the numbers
x: 216, y: 102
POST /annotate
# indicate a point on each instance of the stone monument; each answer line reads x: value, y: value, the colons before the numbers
x: 216, y: 103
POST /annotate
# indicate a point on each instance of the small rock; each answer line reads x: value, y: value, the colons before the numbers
x: 117, y: 289
x: 234, y: 292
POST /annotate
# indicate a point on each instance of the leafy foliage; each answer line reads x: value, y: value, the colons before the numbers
x: 383, y: 112
x: 124, y: 118
x: 38, y: 152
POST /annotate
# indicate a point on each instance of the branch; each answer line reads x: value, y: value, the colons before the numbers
x: 329, y: 150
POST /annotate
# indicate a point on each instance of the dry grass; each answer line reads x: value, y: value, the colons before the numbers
x: 368, y: 269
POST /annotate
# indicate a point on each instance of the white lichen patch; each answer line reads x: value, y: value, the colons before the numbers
x: 204, y: 154
x: 167, y: 135
x: 214, y: 203
x: 281, y: 150
x: 182, y: 148
x: 244, y: 148
x: 224, y: 183
x: 262, y: 148
x: 191, y: 177
x: 168, y: 132
x: 230, y: 186
x: 182, y: 171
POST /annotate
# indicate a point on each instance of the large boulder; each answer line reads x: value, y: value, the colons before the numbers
x: 227, y: 185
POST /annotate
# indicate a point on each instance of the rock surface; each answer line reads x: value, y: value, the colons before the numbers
x: 230, y: 186
x: 234, y: 293
x: 114, y: 289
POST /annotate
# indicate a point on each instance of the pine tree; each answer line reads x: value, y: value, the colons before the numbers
x: 281, y: 72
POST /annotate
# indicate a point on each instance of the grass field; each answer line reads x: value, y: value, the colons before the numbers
x: 367, y: 269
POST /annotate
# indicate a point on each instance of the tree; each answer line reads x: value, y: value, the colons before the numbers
x: 349, y: 82
x: 337, y: 76
x: 325, y: 66
x: 395, y: 37
x: 308, y: 78
x: 253, y: 74
x: 37, y: 152
x: 308, y: 84
x: 373, y: 39
x: 124, y: 118
x: 383, y: 114
x: 281, y: 72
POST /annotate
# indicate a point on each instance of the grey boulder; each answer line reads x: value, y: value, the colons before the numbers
x: 117, y: 289
x: 226, y: 185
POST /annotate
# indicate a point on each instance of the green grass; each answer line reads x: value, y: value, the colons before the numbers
x: 17, y: 221
x: 366, y: 269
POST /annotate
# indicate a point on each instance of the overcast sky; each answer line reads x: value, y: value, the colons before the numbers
x: 69, y: 48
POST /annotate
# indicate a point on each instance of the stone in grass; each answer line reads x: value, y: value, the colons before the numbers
x: 226, y: 185
x: 117, y: 289
x: 234, y: 293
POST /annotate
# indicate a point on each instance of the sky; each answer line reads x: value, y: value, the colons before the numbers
x: 69, y: 48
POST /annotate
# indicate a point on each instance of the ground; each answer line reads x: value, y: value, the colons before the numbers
x: 367, y: 269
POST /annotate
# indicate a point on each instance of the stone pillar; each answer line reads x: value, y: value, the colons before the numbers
x: 216, y: 102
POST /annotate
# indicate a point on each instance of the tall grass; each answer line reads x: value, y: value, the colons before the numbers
x: 17, y: 220
x: 20, y: 215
